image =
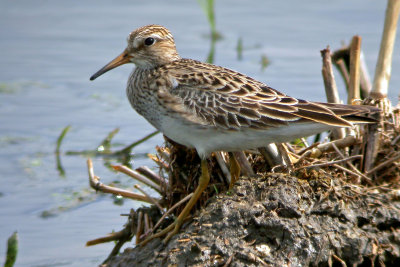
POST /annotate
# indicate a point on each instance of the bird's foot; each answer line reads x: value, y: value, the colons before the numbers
x: 174, y: 227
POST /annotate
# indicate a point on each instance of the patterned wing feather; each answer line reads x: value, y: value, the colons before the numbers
x: 212, y: 95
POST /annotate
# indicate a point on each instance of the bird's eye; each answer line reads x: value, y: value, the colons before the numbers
x: 149, y: 41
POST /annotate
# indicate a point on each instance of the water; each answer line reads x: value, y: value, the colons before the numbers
x: 48, y: 51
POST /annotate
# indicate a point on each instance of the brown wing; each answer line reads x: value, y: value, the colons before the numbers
x: 212, y: 95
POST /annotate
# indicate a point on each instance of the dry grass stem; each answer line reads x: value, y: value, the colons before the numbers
x: 331, y: 91
x: 329, y: 163
x: 139, y: 229
x: 222, y: 164
x: 354, y: 169
x: 180, y: 202
x: 95, y: 183
x: 354, y: 82
x: 146, y: 223
x: 384, y: 164
x: 147, y: 172
x: 271, y: 155
x: 244, y: 163
x: 105, y: 239
x: 339, y: 260
x: 384, y: 64
x: 158, y: 161
x: 137, y: 176
x: 283, y: 152
x: 152, y: 200
x: 327, y: 147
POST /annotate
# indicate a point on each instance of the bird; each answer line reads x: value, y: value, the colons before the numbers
x: 212, y: 108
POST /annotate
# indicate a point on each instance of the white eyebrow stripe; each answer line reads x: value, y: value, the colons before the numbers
x: 154, y: 35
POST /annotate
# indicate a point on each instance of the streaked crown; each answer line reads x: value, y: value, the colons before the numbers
x: 150, y: 46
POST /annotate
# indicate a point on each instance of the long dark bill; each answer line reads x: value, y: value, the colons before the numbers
x: 123, y: 58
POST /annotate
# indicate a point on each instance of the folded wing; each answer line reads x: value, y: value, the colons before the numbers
x: 205, y: 94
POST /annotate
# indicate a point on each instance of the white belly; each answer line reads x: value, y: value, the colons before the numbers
x: 207, y: 140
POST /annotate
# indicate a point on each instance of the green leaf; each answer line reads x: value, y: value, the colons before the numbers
x: 12, y: 250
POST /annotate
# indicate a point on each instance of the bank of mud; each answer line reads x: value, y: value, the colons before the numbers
x: 279, y: 220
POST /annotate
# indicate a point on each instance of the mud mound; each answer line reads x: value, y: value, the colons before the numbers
x: 278, y: 220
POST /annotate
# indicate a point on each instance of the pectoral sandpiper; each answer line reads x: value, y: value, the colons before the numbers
x: 211, y: 108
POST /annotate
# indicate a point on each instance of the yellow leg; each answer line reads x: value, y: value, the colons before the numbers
x: 175, y: 226
x: 234, y: 168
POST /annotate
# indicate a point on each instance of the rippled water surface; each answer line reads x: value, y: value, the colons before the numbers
x: 48, y: 51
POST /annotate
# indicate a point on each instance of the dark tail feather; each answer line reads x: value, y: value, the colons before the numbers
x: 354, y: 113
x: 359, y: 119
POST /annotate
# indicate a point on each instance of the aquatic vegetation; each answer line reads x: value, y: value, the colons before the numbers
x: 12, y: 250
x: 208, y: 7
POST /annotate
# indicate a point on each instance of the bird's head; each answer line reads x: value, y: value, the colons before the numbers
x: 148, y: 47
